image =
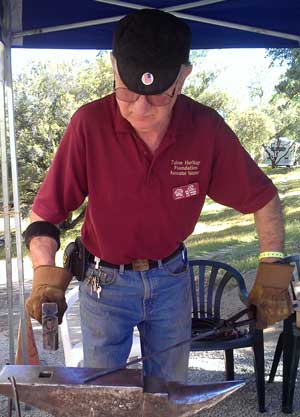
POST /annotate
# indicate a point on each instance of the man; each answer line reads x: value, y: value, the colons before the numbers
x: 146, y: 157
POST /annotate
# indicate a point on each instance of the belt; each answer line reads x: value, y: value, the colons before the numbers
x: 140, y: 264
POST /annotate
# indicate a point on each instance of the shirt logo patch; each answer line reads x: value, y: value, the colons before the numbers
x: 185, y: 191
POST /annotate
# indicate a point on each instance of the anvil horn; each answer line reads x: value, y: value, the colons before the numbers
x: 61, y: 392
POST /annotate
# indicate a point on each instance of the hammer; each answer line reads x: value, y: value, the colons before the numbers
x: 50, y: 335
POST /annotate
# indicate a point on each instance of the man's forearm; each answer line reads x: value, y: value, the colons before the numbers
x: 42, y: 249
x: 270, y: 227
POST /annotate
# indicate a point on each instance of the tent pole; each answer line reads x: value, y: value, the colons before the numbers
x: 6, y: 213
x: 17, y: 213
x: 14, y: 173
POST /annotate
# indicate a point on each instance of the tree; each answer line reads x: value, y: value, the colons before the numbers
x: 289, y: 84
x: 200, y: 87
x: 285, y: 104
x: 46, y: 95
x: 253, y: 128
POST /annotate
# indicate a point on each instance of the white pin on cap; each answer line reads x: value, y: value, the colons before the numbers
x: 147, y: 78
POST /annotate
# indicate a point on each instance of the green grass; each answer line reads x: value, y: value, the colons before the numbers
x: 236, y: 242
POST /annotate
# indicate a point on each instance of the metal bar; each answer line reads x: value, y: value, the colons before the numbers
x: 15, y: 395
x: 209, y: 21
x: 238, y: 26
x: 15, y: 188
x: 125, y: 4
x: 69, y: 26
x: 6, y: 214
x: 220, y: 328
x: 185, y: 6
x: 191, y: 5
x: 14, y: 173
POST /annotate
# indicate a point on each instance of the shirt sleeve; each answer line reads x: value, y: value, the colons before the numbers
x: 65, y: 185
x: 236, y: 180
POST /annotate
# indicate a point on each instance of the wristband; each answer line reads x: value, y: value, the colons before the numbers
x: 271, y: 255
x: 41, y: 228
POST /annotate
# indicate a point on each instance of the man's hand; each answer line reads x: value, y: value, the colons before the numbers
x: 270, y: 295
x: 49, y: 285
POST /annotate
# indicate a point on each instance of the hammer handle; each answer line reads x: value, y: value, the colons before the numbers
x: 32, y: 352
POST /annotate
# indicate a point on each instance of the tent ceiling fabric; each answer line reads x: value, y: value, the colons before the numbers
x: 274, y: 15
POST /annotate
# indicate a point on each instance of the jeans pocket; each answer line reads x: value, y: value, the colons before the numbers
x: 176, y: 267
x: 107, y: 276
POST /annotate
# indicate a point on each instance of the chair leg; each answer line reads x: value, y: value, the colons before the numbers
x: 229, y: 365
x: 291, y: 355
x: 276, y: 358
x: 259, y: 367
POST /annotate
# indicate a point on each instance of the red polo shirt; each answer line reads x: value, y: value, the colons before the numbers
x: 139, y: 205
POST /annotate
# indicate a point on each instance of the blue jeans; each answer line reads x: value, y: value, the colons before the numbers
x: 157, y: 301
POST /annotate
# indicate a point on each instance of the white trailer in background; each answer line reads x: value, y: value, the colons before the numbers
x: 281, y: 152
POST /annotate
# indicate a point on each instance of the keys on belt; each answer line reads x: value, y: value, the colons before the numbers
x: 98, y: 278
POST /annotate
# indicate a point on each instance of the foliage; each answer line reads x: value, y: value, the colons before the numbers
x: 289, y: 84
x: 285, y: 104
x: 199, y: 86
x: 46, y: 95
x: 253, y: 127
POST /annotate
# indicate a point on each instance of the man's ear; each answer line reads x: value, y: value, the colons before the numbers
x: 113, y: 61
x: 185, y: 72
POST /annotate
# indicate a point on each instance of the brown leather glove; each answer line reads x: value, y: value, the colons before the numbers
x: 48, y: 286
x: 270, y: 295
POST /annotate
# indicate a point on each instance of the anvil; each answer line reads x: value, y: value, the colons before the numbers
x: 61, y: 392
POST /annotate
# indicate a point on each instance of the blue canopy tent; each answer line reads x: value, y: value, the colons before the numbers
x: 88, y: 24
x: 214, y: 23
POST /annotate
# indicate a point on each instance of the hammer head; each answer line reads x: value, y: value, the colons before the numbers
x: 61, y: 392
x: 50, y: 326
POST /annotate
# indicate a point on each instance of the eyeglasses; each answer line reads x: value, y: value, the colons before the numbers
x: 123, y: 94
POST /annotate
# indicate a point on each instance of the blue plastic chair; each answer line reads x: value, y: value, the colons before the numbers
x: 209, y: 279
x: 288, y: 343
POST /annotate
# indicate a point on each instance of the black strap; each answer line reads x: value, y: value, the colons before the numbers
x: 221, y: 327
x: 41, y: 228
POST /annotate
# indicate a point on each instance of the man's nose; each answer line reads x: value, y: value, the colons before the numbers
x: 142, y: 105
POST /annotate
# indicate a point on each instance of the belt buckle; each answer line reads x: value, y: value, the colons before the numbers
x: 140, y: 265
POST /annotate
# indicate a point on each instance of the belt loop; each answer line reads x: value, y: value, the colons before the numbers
x: 121, y: 269
x: 160, y: 264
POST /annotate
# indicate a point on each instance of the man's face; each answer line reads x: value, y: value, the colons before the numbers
x: 145, y: 117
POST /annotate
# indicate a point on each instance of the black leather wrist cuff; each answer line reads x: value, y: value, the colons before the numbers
x: 41, y: 228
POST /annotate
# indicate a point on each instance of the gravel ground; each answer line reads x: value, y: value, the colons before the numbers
x: 203, y: 367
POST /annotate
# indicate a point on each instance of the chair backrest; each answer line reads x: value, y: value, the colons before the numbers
x: 295, y: 284
x: 209, y: 279
x: 294, y: 259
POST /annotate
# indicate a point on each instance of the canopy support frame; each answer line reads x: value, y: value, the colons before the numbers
x: 8, y: 129
x: 95, y: 22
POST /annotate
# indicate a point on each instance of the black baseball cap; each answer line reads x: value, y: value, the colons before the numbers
x: 150, y: 46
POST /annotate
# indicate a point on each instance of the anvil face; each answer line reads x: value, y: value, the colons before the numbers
x: 61, y: 392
